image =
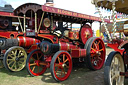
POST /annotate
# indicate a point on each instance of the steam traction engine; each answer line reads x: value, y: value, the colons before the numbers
x: 12, y: 40
x: 59, y: 44
x: 116, y: 65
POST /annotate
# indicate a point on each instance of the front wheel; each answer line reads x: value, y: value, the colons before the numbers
x: 113, y: 66
x: 34, y: 63
x: 61, y: 66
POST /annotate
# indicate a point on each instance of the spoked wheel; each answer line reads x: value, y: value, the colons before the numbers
x: 95, y: 54
x: 34, y: 63
x: 15, y: 59
x: 61, y: 66
x: 113, y: 66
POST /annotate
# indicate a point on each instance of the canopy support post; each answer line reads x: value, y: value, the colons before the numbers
x: 24, y: 23
x: 41, y: 22
x: 20, y: 24
x: 35, y: 22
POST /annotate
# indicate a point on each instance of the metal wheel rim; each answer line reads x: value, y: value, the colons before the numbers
x: 117, y: 66
x: 36, y: 63
x: 60, y: 71
x: 97, y: 53
x: 12, y: 62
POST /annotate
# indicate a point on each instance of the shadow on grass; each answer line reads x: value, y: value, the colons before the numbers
x: 77, y: 69
x: 22, y: 73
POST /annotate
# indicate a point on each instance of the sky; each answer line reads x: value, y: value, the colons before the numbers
x: 80, y: 6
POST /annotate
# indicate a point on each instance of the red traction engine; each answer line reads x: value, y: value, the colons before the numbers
x: 14, y: 45
x: 60, y: 46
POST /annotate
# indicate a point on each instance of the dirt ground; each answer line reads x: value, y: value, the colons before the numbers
x: 80, y: 76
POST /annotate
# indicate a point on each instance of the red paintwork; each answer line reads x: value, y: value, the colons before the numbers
x: 49, y: 37
x: 77, y: 53
x: 115, y: 47
x: 70, y: 13
x: 86, y: 33
x: 6, y: 34
x: 67, y: 46
x: 27, y: 42
x: 6, y: 14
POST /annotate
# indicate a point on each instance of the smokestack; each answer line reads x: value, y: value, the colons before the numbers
x: 49, y: 3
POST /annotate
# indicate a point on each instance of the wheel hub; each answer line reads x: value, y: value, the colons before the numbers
x: 98, y: 53
x: 95, y: 63
x: 63, y: 65
x: 37, y: 62
x: 17, y: 59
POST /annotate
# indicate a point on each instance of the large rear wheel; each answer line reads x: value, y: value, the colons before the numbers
x: 113, y: 66
x: 95, y: 54
x: 61, y: 65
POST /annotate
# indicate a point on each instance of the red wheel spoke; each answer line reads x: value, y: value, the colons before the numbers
x: 101, y: 49
x: 33, y: 59
x: 95, y: 45
x: 40, y: 57
x: 67, y: 66
x: 98, y: 43
x: 58, y: 59
x: 57, y: 65
x: 93, y: 49
x: 92, y: 55
x: 92, y: 60
x: 63, y: 71
x: 63, y: 57
x: 61, y: 74
x: 37, y: 56
x: 100, y: 58
x: 33, y: 68
x: 66, y: 60
x: 33, y: 64
x: 57, y: 70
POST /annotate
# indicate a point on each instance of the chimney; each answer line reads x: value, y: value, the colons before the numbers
x: 49, y: 3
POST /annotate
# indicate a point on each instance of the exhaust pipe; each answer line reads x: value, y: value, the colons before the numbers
x: 49, y: 3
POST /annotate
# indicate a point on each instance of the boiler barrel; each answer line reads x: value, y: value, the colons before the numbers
x: 48, y: 48
x: 27, y: 42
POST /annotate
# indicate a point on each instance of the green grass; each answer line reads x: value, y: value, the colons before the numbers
x: 80, y: 76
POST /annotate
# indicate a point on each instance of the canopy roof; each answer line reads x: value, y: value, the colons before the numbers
x: 55, y: 11
x: 121, y: 5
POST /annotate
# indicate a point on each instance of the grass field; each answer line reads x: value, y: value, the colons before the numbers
x: 80, y: 76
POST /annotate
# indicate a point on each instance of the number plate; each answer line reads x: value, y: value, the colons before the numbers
x: 30, y: 34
